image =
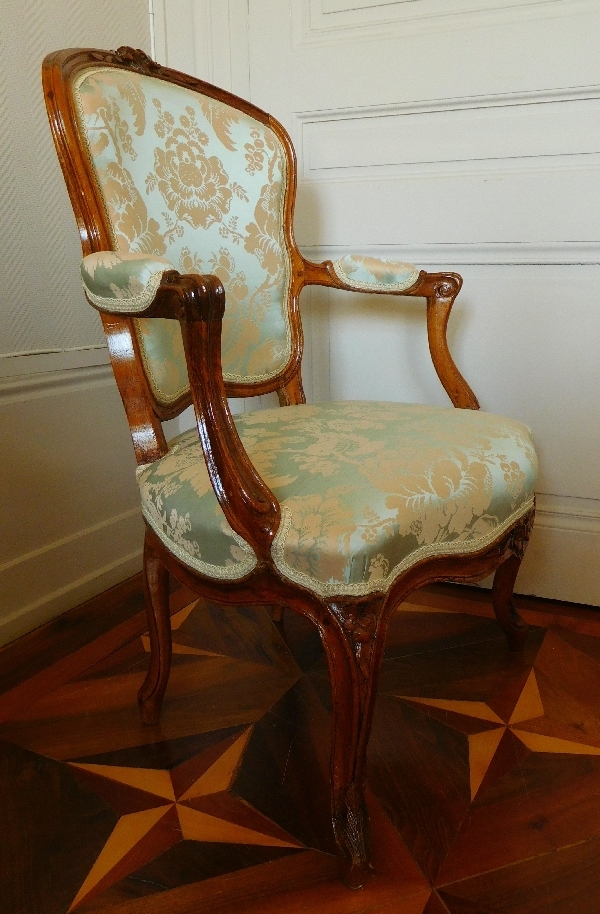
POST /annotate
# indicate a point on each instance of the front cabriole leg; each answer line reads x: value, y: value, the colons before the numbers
x: 509, y: 619
x: 353, y: 636
x: 156, y: 578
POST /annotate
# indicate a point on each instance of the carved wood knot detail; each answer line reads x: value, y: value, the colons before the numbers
x: 360, y: 629
x: 446, y: 289
x: 136, y: 59
x: 350, y: 823
x: 519, y: 537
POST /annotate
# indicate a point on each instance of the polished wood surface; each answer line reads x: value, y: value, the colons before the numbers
x: 483, y: 767
x: 352, y: 630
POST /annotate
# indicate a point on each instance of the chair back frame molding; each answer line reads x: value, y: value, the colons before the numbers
x: 352, y: 628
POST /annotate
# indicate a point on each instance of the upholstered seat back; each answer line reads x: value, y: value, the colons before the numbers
x: 202, y: 184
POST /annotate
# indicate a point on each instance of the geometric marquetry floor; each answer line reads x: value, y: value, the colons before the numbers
x: 484, y: 766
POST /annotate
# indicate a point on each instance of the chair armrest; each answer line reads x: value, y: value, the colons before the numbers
x: 375, y: 275
x: 250, y: 507
x: 123, y: 284
x: 141, y: 286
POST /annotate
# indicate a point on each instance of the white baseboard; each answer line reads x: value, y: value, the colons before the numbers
x: 562, y: 561
x: 42, y: 584
x: 562, y: 565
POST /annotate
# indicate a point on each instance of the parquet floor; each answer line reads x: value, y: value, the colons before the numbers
x: 484, y: 767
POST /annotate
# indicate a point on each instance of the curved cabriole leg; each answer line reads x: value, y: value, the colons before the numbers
x: 510, y: 621
x: 350, y: 641
x: 152, y: 691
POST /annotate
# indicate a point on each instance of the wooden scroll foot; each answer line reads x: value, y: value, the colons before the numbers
x: 353, y: 641
x: 151, y: 694
x: 509, y: 619
x: 353, y: 836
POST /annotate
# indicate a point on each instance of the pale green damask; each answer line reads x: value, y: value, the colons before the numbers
x: 202, y: 184
x: 366, y: 489
x: 122, y: 282
x: 375, y: 274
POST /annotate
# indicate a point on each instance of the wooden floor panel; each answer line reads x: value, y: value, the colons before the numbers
x: 484, y: 766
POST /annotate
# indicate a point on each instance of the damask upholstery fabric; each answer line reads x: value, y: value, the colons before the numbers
x: 122, y: 282
x: 186, y: 177
x: 375, y: 274
x: 366, y: 490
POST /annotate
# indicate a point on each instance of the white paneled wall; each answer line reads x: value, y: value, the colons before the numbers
x: 69, y: 509
x: 460, y: 134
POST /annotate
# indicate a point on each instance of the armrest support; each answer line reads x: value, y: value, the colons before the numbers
x: 138, y: 286
x: 247, y: 502
x: 384, y: 277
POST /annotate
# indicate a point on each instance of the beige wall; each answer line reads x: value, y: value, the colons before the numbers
x: 70, y: 524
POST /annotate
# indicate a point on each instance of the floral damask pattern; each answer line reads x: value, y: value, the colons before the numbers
x: 116, y: 282
x: 366, y: 489
x: 194, y: 187
x: 201, y: 183
x: 135, y: 231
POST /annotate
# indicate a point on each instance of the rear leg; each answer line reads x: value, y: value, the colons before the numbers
x: 509, y: 619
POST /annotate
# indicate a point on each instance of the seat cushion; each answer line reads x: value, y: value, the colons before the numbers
x: 366, y: 491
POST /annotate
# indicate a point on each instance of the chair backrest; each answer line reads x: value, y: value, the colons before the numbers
x: 183, y: 170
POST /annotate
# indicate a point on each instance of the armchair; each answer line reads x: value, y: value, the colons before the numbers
x: 184, y: 199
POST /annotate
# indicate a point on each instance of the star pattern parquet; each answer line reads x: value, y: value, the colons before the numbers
x: 484, y: 767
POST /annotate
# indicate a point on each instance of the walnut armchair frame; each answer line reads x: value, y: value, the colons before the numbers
x: 352, y: 629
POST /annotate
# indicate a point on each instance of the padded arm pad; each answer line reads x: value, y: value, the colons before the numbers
x: 373, y: 274
x: 120, y: 283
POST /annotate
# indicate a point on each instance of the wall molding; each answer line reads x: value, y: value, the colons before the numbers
x: 456, y: 103
x: 564, y: 546
x: 216, y: 46
x: 502, y: 253
x: 51, y: 605
x: 72, y: 538
x: 320, y: 21
x: 416, y: 9
x: 44, y: 582
x: 427, y: 137
x: 41, y: 361
x: 581, y: 515
x: 44, y: 384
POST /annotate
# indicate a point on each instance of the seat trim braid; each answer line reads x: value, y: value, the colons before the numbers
x: 135, y: 266
x: 131, y: 305
x: 382, y: 585
x: 345, y: 266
